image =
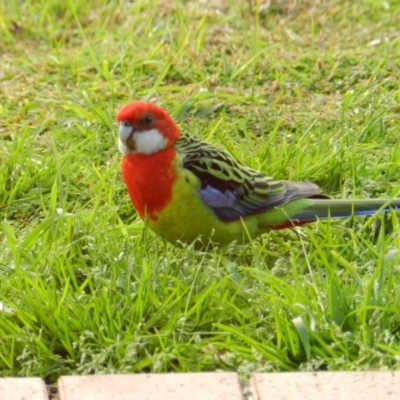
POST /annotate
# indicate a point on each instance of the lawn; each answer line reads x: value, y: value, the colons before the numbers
x: 301, y: 90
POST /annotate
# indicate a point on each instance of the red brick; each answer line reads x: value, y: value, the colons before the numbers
x: 326, y: 385
x: 22, y: 389
x: 174, y: 386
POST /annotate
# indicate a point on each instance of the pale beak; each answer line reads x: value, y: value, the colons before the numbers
x: 126, y: 143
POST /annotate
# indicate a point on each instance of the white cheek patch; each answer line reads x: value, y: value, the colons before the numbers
x: 149, y: 142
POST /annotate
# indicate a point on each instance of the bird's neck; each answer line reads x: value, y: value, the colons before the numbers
x: 149, y: 180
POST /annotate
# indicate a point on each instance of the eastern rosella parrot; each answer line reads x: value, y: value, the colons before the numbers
x: 186, y: 189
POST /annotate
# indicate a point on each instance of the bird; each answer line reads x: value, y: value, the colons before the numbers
x: 188, y: 190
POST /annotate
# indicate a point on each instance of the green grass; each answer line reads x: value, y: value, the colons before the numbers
x: 301, y: 92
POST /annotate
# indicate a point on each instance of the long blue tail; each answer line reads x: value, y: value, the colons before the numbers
x: 332, y: 208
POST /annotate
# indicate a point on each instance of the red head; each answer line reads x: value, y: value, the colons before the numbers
x: 145, y: 128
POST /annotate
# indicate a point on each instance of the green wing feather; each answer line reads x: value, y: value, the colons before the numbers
x: 232, y: 190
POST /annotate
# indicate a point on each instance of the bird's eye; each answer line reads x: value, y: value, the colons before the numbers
x: 147, y: 119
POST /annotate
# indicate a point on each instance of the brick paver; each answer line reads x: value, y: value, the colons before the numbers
x: 326, y: 385
x: 383, y: 385
x: 174, y: 386
x: 22, y: 389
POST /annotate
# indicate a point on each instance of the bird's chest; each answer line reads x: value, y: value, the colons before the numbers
x: 149, y: 180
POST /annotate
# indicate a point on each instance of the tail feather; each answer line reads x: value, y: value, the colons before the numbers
x: 330, y: 208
